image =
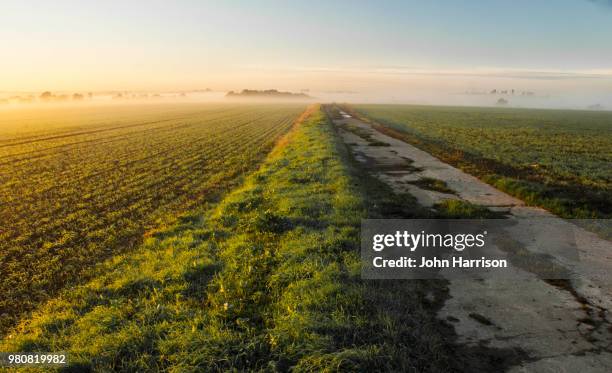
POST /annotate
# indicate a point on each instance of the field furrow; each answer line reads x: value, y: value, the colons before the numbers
x: 111, y: 182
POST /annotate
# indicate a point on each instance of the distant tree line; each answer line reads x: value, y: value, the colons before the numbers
x: 266, y: 93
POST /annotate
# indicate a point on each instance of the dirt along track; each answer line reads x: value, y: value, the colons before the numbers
x: 537, y: 325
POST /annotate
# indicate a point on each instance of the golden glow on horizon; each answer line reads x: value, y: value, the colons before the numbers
x: 399, y: 52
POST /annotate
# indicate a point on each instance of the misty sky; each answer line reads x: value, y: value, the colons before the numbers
x: 361, y: 46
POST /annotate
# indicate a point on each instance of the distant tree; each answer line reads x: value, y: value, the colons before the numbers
x: 596, y: 107
x: 267, y: 93
x: 502, y: 102
x: 46, y: 95
x: 77, y: 96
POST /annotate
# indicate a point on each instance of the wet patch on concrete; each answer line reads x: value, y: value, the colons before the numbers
x: 432, y: 184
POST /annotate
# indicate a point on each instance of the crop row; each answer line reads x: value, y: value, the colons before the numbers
x: 74, y: 197
x: 563, y: 143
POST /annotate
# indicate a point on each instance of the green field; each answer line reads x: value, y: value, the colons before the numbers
x: 226, y: 237
x: 558, y: 159
x: 268, y: 279
x: 81, y: 185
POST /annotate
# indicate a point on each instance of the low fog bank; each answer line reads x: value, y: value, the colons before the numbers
x: 476, y: 87
x: 517, y: 100
x: 552, y: 95
x: 47, y: 99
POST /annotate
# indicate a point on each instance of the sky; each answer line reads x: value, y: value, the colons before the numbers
x: 386, y: 49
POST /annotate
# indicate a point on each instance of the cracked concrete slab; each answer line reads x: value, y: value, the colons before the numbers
x: 559, y: 325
